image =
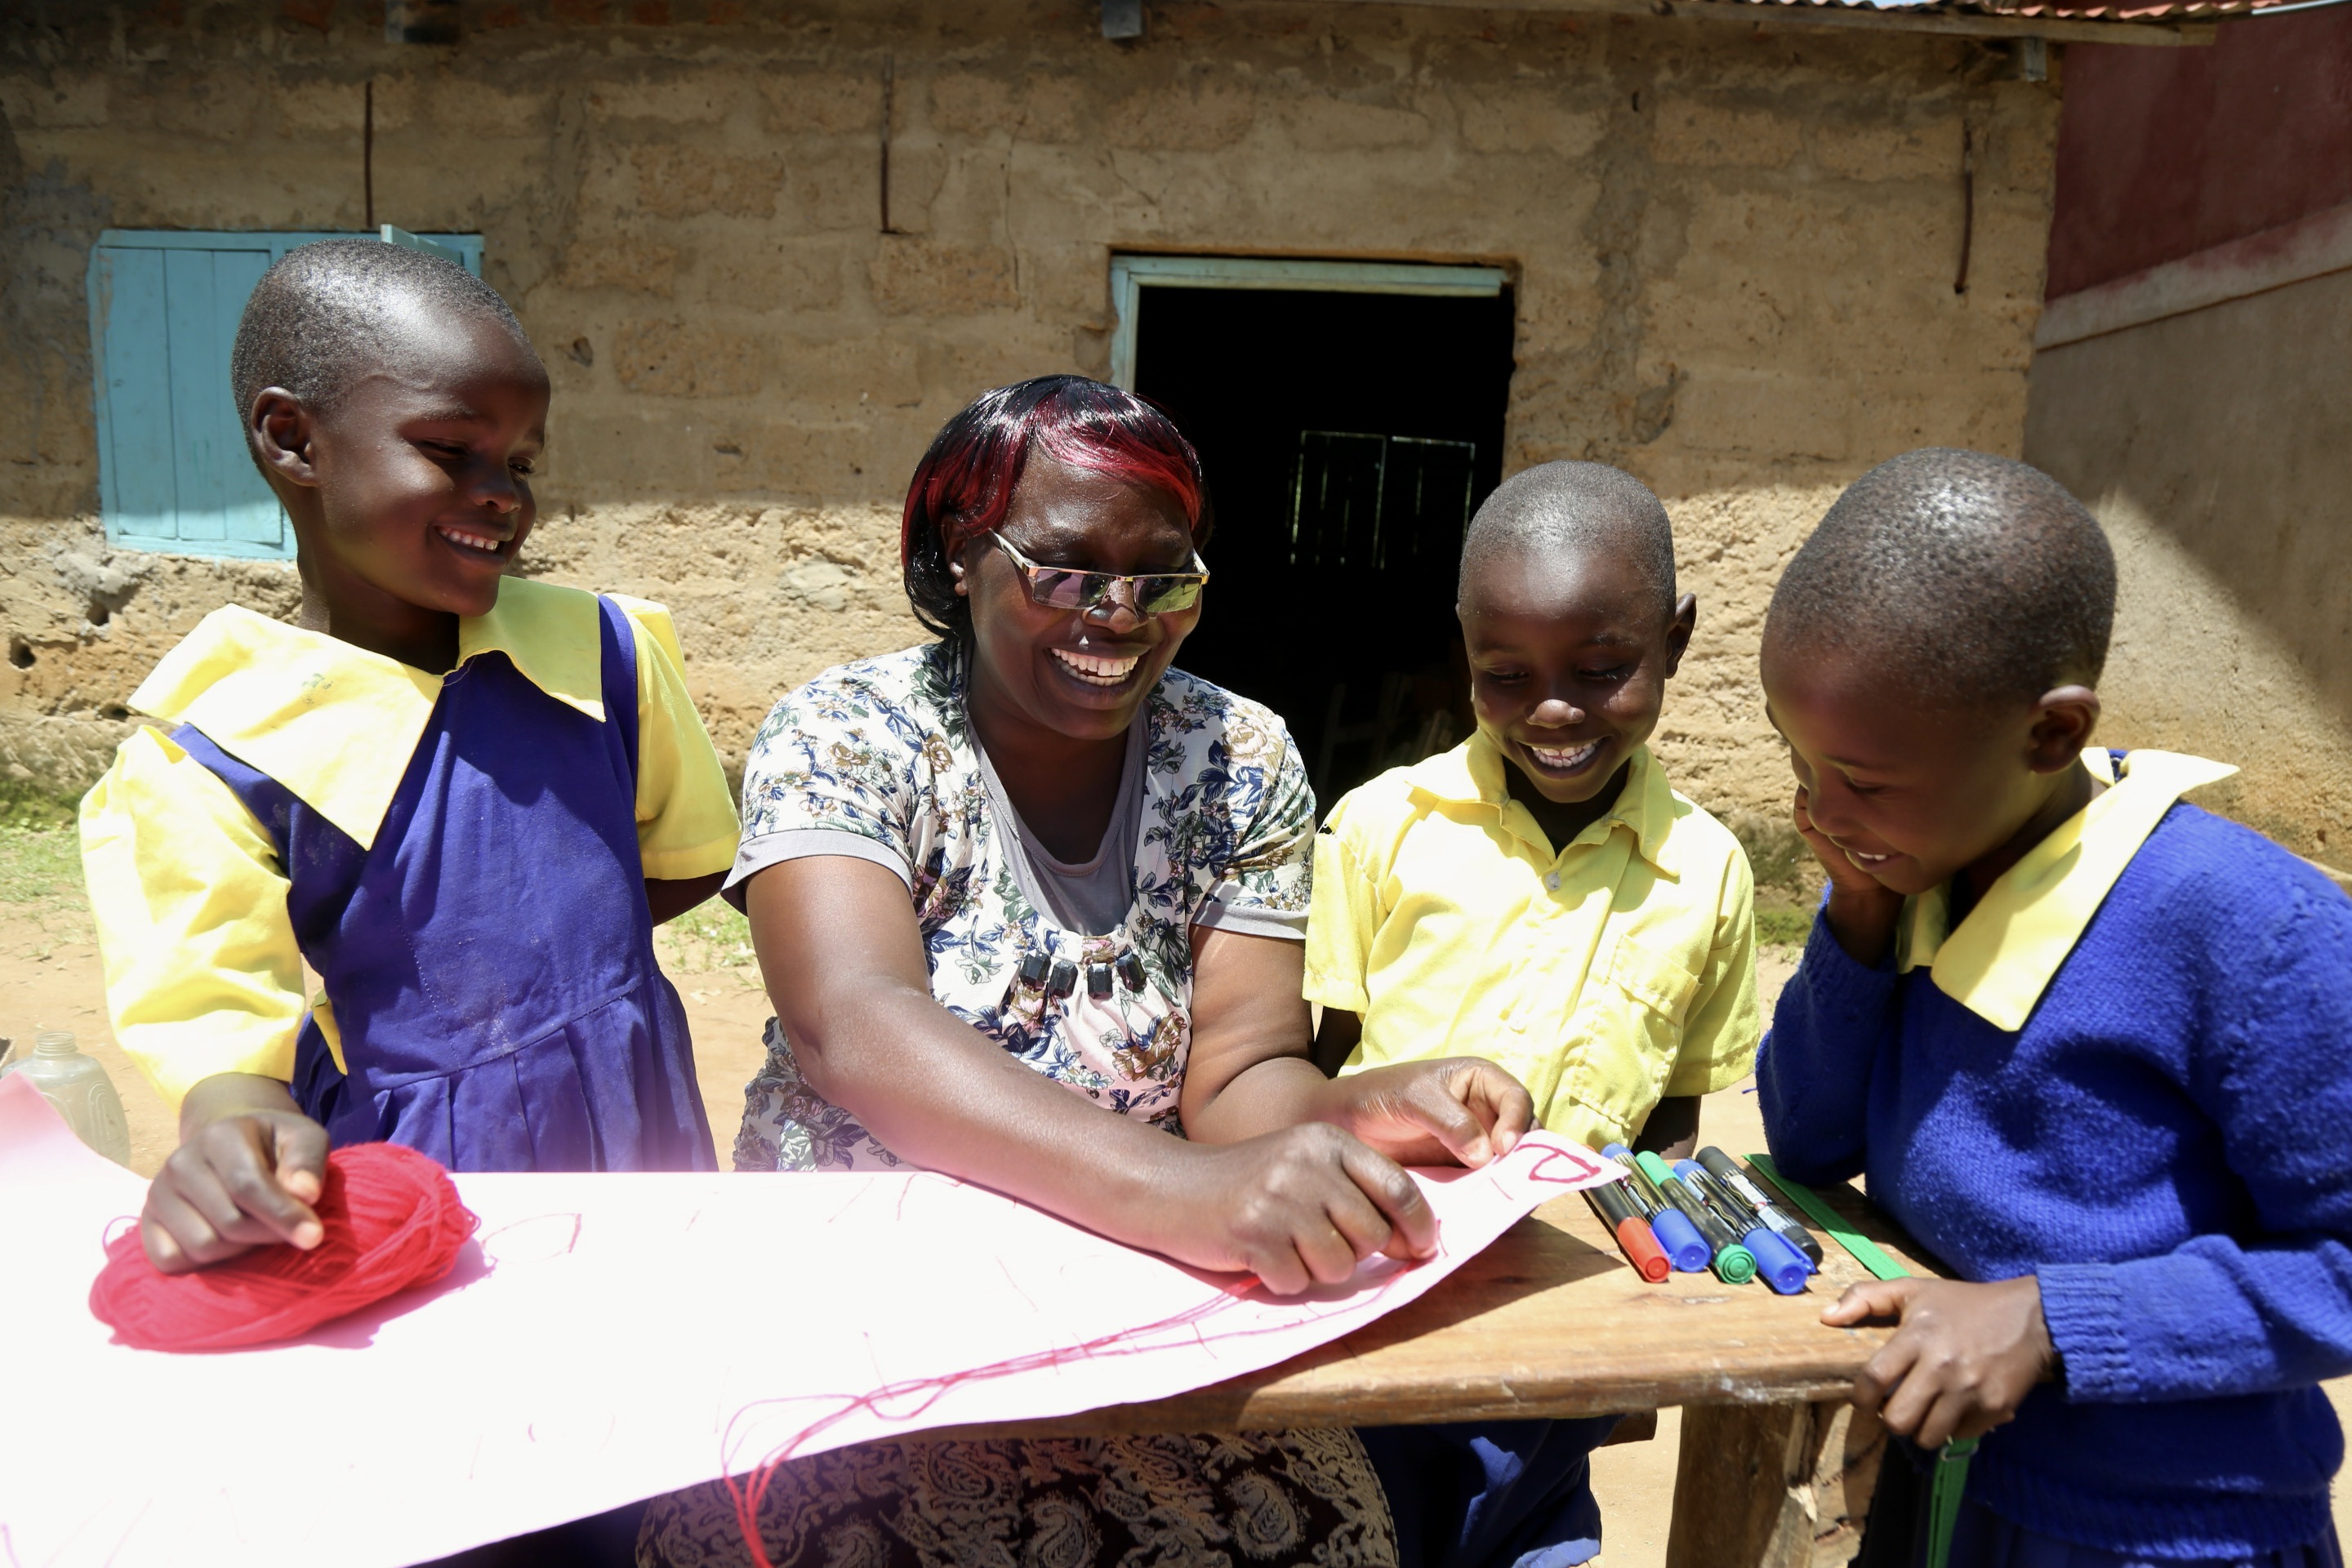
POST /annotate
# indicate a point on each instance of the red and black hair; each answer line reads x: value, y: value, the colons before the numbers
x: 963, y: 487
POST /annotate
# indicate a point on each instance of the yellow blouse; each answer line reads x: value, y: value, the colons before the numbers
x: 202, y: 974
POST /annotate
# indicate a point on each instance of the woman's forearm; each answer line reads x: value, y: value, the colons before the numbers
x: 1248, y: 1072
x: 941, y: 1095
x: 845, y: 968
x: 1277, y: 1092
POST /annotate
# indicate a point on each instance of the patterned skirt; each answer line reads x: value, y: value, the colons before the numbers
x: 1251, y: 1500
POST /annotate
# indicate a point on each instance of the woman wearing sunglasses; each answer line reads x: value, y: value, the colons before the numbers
x: 1030, y: 904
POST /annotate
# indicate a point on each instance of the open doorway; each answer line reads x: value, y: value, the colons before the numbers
x: 1348, y: 436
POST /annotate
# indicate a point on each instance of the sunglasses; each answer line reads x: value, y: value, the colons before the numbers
x: 1064, y: 588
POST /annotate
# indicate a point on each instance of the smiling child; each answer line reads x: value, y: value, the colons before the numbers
x: 463, y: 798
x: 1540, y: 897
x: 2092, y: 1045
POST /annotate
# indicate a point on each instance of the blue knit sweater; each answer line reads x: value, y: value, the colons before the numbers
x: 2166, y: 1144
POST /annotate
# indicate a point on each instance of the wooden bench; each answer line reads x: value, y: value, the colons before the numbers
x: 1775, y: 1469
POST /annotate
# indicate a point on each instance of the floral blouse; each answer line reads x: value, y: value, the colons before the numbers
x: 882, y: 750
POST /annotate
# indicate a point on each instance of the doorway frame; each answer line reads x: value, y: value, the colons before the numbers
x: 1131, y: 272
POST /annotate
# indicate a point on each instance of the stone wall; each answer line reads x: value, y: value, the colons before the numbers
x: 1733, y: 251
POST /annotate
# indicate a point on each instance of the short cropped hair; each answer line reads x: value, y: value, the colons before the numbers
x: 324, y: 315
x: 1973, y: 578
x: 963, y: 487
x: 1564, y: 507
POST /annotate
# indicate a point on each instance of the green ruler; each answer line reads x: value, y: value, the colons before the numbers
x: 1944, y: 1498
x: 1951, y: 1474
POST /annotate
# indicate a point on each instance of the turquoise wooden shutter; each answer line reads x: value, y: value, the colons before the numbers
x: 135, y: 395
x: 174, y: 473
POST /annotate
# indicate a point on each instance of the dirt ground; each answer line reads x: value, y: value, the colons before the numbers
x: 49, y: 978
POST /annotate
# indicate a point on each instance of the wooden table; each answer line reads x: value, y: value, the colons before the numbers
x: 1776, y: 1470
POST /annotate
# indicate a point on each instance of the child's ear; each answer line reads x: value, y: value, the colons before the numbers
x: 282, y: 429
x: 2064, y: 720
x: 1678, y: 632
x: 955, y: 570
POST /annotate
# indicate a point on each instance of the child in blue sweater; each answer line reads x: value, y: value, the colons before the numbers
x: 2092, y: 1045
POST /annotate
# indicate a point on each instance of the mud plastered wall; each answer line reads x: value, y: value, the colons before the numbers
x: 2211, y: 445
x: 1734, y: 252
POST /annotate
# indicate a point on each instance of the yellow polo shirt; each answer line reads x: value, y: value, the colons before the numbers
x: 203, y: 972
x: 1606, y: 975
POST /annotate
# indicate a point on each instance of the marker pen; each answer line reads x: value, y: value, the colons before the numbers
x: 1737, y: 1200
x: 1697, y: 1183
x: 1726, y: 1170
x: 1783, y: 1267
x: 1616, y: 1210
x: 1734, y: 1264
x: 1677, y: 1237
x: 1638, y: 1180
x: 1732, y: 1210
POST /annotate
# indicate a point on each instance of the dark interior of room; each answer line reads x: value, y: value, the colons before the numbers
x: 1346, y: 439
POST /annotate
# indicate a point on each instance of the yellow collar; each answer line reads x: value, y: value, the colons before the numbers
x: 1474, y: 773
x: 2002, y: 957
x: 337, y: 725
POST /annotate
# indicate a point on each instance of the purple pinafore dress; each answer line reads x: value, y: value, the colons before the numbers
x: 491, y: 958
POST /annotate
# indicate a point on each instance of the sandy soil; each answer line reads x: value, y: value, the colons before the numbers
x: 49, y: 978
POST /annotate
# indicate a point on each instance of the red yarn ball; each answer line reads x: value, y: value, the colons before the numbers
x: 391, y: 1219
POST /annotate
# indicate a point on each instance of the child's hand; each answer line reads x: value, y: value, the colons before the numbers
x: 249, y: 1167
x: 1457, y: 1111
x: 1965, y: 1358
x: 1861, y: 911
x: 1298, y: 1208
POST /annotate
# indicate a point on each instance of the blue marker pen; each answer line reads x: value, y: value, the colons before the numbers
x: 1782, y: 1266
x: 1677, y: 1237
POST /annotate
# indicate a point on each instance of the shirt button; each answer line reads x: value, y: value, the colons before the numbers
x: 1552, y: 882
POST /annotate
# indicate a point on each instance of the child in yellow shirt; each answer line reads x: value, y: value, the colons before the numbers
x: 1539, y: 895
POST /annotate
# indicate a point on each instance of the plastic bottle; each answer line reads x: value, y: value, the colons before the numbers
x: 78, y: 1086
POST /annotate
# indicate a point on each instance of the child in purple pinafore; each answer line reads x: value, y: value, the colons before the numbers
x: 464, y: 799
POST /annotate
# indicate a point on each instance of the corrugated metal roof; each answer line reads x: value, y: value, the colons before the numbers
x: 2171, y: 22
x: 2157, y: 11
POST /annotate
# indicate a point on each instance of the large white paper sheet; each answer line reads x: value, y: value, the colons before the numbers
x: 606, y: 1338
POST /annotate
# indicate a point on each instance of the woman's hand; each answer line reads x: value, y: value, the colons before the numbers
x: 1298, y: 1208
x: 846, y: 965
x: 249, y: 1167
x: 1268, y: 1185
x: 1963, y: 1360
x: 1456, y: 1110
x: 1861, y: 910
